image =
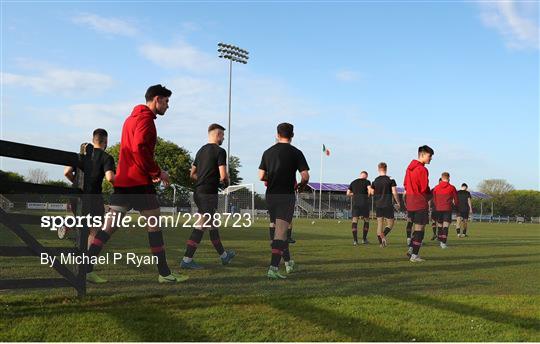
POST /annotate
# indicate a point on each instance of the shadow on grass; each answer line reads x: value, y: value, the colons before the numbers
x: 472, y: 311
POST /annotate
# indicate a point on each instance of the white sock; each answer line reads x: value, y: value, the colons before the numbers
x: 187, y: 259
x: 224, y: 254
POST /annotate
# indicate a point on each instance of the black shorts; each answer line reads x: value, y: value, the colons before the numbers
x: 434, y: 215
x: 141, y: 197
x: 93, y: 205
x: 360, y: 211
x: 464, y: 214
x: 206, y: 203
x: 444, y: 216
x: 386, y: 212
x: 419, y: 217
x: 280, y: 207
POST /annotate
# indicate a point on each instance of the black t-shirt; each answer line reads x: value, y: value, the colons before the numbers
x: 101, y: 163
x: 382, y: 186
x: 207, y: 161
x: 359, y: 188
x: 281, y: 161
x: 463, y: 199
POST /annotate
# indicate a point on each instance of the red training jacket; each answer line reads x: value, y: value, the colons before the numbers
x: 416, y: 185
x: 136, y: 164
x: 443, y: 196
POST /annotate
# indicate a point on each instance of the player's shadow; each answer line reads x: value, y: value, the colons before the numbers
x: 356, y: 328
x: 471, y: 311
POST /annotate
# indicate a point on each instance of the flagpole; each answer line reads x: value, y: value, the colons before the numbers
x: 320, y: 186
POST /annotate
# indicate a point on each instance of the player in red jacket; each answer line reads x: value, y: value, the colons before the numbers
x: 418, y: 194
x: 444, y: 199
x: 134, y: 182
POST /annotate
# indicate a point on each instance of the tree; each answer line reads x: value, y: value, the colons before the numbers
x: 6, y: 176
x: 57, y: 183
x: 234, y: 173
x: 494, y: 187
x: 37, y: 175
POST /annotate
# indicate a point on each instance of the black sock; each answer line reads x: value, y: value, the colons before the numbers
x: 277, y: 252
x: 465, y: 231
x: 379, y: 237
x: 100, y: 239
x: 434, y: 228
x: 286, y: 253
x: 355, y: 231
x: 155, y: 239
x: 417, y: 237
x: 271, y: 232
x: 216, y: 241
x: 458, y: 230
x: 193, y: 241
x: 387, y: 230
x: 409, y: 229
x: 289, y: 233
x: 439, y: 233
x: 444, y: 235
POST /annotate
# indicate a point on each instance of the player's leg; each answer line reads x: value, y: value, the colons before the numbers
x: 278, y: 245
x: 389, y: 218
x: 290, y: 239
x: 354, y: 227
x: 389, y: 226
x: 465, y: 226
x: 444, y: 230
x: 225, y: 255
x: 459, y: 222
x: 156, y: 243
x: 365, y: 227
x: 420, y: 220
x: 434, y: 225
x: 196, y: 235
x: 408, y: 228
x: 380, y: 234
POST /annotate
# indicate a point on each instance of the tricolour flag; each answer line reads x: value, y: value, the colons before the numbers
x: 325, y: 150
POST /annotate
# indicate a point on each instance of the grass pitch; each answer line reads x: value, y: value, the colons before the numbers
x: 482, y: 288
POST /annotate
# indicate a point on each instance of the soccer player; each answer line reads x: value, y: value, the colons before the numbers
x: 417, y: 187
x: 208, y: 170
x: 278, y: 167
x: 383, y: 190
x: 133, y: 184
x: 358, y: 190
x: 464, y: 210
x: 444, y: 199
x: 102, y: 167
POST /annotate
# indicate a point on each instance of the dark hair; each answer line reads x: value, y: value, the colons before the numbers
x: 425, y: 149
x: 156, y: 90
x: 215, y: 126
x: 465, y: 185
x: 285, y: 130
x: 445, y: 175
x: 382, y: 165
x: 100, y: 135
x: 365, y: 173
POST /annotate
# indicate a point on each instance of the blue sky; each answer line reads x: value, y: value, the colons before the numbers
x: 372, y: 81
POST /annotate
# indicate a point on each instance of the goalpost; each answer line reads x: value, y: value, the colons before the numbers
x: 241, y: 199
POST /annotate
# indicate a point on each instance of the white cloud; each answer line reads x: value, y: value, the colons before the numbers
x: 181, y: 55
x: 52, y: 80
x: 516, y: 21
x: 106, y: 25
x: 347, y: 75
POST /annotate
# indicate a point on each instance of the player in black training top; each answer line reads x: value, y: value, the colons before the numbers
x: 464, y: 210
x: 208, y: 170
x: 278, y: 167
x: 359, y: 192
x: 102, y: 167
x: 384, y: 190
